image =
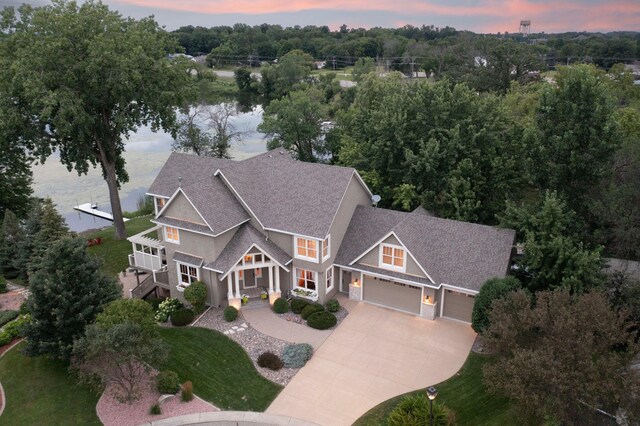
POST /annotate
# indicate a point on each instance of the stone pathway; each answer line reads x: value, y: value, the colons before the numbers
x: 24, y: 291
x: 236, y: 329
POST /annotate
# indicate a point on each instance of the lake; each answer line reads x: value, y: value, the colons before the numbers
x: 145, y: 154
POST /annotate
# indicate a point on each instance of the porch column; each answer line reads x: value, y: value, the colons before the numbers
x: 270, y: 279
x: 277, y: 278
x: 237, y: 276
x: 229, y: 287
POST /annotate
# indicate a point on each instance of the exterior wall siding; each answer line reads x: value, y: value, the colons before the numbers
x: 372, y: 258
x: 181, y: 208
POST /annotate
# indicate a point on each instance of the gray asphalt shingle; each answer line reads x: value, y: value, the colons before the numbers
x: 187, y: 258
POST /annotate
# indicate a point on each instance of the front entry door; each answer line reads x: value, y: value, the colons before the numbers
x: 249, y: 278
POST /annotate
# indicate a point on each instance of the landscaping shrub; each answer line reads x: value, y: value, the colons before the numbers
x: 322, y: 320
x: 24, y: 308
x: 230, y: 313
x: 182, y: 317
x: 414, y: 411
x: 280, y: 306
x: 6, y: 316
x: 270, y: 360
x: 311, y: 309
x: 493, y: 289
x: 13, y: 330
x: 166, y: 308
x: 196, y: 294
x: 187, y: 392
x: 3, y: 285
x: 154, y: 302
x: 167, y: 382
x: 135, y: 311
x: 296, y: 356
x: 155, y: 409
x: 332, y: 305
x: 297, y: 305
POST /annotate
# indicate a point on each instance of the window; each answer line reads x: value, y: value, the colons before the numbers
x: 326, y: 248
x: 392, y: 257
x: 306, y: 249
x: 161, y: 203
x: 306, y: 279
x: 186, y: 275
x: 172, y: 234
x: 329, y: 277
x: 258, y: 272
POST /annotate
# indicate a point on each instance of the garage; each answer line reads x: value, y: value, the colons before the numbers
x: 391, y: 294
x: 458, y: 305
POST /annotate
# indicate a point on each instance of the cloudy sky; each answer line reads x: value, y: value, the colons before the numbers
x: 475, y: 15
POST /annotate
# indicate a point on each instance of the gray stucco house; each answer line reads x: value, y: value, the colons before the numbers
x: 272, y: 225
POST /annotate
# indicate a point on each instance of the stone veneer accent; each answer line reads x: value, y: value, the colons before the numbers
x: 428, y: 310
x: 355, y: 292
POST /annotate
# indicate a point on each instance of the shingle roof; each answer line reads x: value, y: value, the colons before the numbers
x: 190, y: 226
x: 287, y: 195
x: 458, y: 253
x: 244, y: 238
x: 216, y: 204
x: 187, y: 258
x: 190, y: 168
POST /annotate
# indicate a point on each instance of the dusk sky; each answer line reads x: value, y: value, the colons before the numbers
x: 475, y: 15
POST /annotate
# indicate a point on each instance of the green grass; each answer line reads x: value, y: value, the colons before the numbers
x: 219, y: 368
x: 113, y: 252
x: 40, y: 391
x: 464, y: 393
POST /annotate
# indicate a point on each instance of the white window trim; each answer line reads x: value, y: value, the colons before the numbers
x: 166, y: 236
x: 392, y: 267
x: 181, y: 286
x: 307, y: 258
x: 295, y: 279
x: 327, y: 280
x: 328, y: 240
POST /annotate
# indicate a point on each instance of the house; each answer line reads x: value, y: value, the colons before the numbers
x: 273, y: 225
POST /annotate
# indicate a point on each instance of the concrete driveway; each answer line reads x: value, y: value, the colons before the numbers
x: 374, y: 354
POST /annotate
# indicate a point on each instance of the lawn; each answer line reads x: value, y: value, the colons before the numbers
x: 40, y: 391
x: 464, y: 393
x: 112, y: 252
x: 219, y: 368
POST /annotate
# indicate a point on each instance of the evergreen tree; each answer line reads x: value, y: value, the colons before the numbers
x: 12, y: 237
x: 68, y: 291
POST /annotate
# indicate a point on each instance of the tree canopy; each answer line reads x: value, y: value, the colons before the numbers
x: 81, y: 78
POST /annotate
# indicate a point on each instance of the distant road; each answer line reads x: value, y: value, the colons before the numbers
x: 229, y: 74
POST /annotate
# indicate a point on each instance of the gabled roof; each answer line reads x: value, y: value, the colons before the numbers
x: 244, y: 239
x: 457, y: 253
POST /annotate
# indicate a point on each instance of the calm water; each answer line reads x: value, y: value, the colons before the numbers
x: 145, y: 154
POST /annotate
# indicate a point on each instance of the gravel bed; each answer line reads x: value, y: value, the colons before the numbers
x: 290, y: 316
x: 479, y: 346
x: 251, y: 340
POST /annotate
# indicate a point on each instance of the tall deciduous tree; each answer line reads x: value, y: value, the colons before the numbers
x: 561, y: 355
x: 295, y: 123
x: 68, y: 290
x: 83, y: 78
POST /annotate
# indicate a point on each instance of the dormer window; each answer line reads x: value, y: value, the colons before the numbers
x: 306, y: 249
x: 393, y: 257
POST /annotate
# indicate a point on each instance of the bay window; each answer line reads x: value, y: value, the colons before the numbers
x: 306, y: 279
x: 326, y: 252
x: 329, y: 278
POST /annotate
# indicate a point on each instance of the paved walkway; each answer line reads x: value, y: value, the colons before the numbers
x: 265, y: 321
x: 373, y: 355
x: 235, y: 418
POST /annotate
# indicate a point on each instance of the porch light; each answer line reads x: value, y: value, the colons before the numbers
x: 356, y: 283
x: 426, y: 300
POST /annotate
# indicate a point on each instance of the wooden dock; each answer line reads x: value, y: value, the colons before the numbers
x: 92, y: 209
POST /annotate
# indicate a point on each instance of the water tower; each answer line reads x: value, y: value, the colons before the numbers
x: 525, y: 27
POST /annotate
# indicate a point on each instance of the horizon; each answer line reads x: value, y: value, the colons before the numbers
x: 479, y: 16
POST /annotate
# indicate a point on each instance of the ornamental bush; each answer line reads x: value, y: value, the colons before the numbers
x: 297, y: 305
x: 270, y: 360
x: 135, y: 311
x: 296, y: 356
x: 167, y: 382
x: 414, y: 411
x: 332, y: 305
x: 280, y: 306
x: 311, y: 309
x: 493, y: 289
x: 166, y: 308
x: 196, y: 294
x: 14, y: 329
x: 182, y: 317
x: 6, y: 316
x: 322, y: 320
x: 155, y: 409
x: 230, y: 313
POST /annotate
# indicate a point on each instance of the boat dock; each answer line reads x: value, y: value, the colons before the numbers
x: 92, y: 209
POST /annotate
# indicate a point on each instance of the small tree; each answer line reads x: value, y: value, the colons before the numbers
x: 243, y: 79
x: 135, y: 311
x: 68, y: 290
x: 562, y: 354
x: 493, y: 289
x: 196, y: 294
x: 51, y: 228
x: 120, y: 356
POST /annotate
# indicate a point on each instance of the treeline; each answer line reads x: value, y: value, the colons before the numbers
x: 396, y: 48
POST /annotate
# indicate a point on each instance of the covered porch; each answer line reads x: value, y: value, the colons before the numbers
x: 148, y: 266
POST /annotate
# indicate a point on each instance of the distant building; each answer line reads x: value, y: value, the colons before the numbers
x: 320, y: 64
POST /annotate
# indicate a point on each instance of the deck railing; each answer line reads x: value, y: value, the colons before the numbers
x: 145, y: 287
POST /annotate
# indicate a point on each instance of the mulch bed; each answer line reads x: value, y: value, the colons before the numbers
x: 11, y: 301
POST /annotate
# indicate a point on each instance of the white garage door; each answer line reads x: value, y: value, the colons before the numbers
x: 391, y: 294
x: 458, y: 305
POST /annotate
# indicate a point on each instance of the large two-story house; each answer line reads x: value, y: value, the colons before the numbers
x: 272, y: 225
